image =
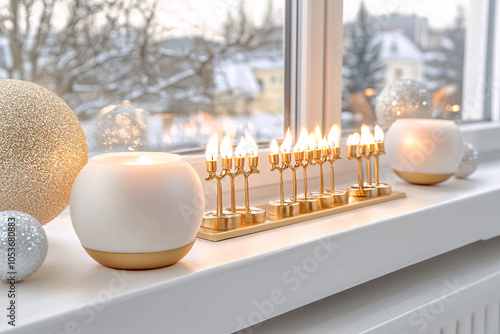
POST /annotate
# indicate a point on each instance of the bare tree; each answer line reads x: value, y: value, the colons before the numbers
x: 100, y: 52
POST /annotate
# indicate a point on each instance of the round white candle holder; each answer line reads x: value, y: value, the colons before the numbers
x: 424, y: 151
x: 137, y: 210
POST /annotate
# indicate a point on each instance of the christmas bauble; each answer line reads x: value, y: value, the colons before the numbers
x: 42, y: 149
x: 121, y: 128
x: 23, y: 246
x: 404, y: 98
x: 468, y: 164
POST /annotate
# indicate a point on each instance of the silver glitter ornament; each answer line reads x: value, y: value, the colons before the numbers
x: 23, y: 245
x: 469, y: 161
x: 404, y: 98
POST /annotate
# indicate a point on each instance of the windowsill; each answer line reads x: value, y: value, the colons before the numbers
x: 218, y: 286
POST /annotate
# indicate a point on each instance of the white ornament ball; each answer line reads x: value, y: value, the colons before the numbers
x: 404, y: 98
x: 23, y: 245
x: 468, y: 164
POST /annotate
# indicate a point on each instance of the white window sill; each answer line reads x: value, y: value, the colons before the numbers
x: 218, y: 286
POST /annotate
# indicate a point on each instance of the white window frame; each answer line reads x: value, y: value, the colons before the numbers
x: 316, y: 77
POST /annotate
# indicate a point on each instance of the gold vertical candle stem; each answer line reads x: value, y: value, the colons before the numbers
x: 247, y: 195
x: 322, y: 179
x: 360, y: 173
x: 305, y: 181
x: 282, y: 197
x: 219, y: 198
x: 368, y: 170
x: 233, y: 196
x: 332, y: 177
x: 294, y: 175
x: 376, y: 169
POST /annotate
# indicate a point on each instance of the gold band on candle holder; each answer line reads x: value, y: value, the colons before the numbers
x: 139, y: 261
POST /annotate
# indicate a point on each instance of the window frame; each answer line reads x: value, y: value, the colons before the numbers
x: 315, y: 31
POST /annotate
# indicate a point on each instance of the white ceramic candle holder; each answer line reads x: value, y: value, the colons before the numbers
x: 137, y: 210
x: 424, y: 151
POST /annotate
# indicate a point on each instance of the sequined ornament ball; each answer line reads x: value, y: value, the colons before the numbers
x: 24, y: 234
x: 404, y: 98
x: 468, y: 164
x: 42, y: 149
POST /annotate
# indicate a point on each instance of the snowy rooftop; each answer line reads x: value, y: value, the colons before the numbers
x: 236, y: 78
x: 395, y: 45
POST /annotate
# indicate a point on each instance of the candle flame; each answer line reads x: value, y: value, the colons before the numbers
x: 274, y: 147
x: 226, y: 149
x: 334, y: 136
x: 317, y: 133
x: 353, y: 139
x: 302, y: 142
x: 311, y: 141
x: 252, y: 147
x: 212, y: 148
x: 241, y: 149
x: 324, y: 143
x: 379, y: 134
x: 365, y: 135
x: 146, y: 160
x: 286, y: 146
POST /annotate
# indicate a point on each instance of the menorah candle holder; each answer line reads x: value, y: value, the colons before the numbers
x: 307, y: 202
x: 325, y: 199
x: 221, y: 220
x: 250, y: 215
x: 359, y: 152
x: 383, y: 188
x: 340, y: 196
x: 281, y: 208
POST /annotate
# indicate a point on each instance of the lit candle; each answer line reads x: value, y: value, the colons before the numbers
x: 325, y: 148
x: 274, y: 158
x: 367, y: 138
x: 317, y: 150
x: 300, y: 146
x: 226, y: 151
x: 253, y: 151
x: 352, y: 145
x: 240, y: 153
x: 334, y: 141
x: 311, y: 145
x: 379, y: 140
x: 286, y: 146
x: 211, y: 153
x: 148, y: 188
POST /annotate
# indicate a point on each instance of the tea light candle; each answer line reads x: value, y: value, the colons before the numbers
x: 125, y: 208
x: 286, y: 146
x: 211, y: 153
x: 334, y: 140
x: 273, y: 155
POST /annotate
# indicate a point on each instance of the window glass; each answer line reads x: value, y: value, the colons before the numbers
x: 387, y: 40
x: 153, y: 74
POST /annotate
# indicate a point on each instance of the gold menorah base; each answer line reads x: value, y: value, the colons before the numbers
x: 384, y: 189
x: 308, y: 204
x: 228, y: 221
x: 277, y: 209
x: 325, y: 199
x: 253, y: 216
x: 273, y: 222
x: 367, y: 191
x: 340, y: 196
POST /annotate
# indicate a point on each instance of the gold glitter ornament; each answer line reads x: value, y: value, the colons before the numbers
x: 42, y: 150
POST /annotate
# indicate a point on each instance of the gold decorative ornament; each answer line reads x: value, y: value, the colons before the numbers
x: 42, y: 150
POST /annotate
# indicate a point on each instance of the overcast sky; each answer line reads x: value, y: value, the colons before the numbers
x: 441, y: 13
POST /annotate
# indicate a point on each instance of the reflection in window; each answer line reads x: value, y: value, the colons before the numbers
x: 191, y: 67
x: 385, y: 41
